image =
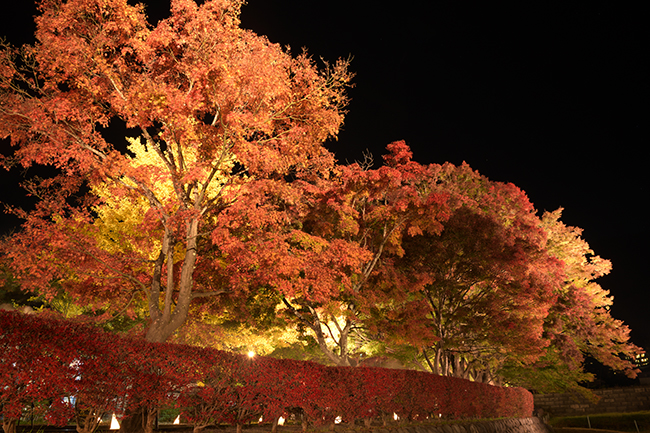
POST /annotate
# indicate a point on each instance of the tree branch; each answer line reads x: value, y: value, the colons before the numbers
x: 196, y: 295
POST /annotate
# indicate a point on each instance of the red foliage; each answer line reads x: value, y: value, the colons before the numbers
x: 363, y: 215
x: 33, y: 369
x: 103, y: 372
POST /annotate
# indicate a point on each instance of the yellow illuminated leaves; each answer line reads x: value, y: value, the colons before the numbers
x: 219, y: 111
x: 119, y: 221
x: 566, y: 243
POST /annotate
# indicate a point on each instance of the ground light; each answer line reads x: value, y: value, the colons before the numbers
x: 280, y: 420
x: 115, y: 425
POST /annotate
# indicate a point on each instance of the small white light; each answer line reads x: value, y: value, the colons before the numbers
x: 395, y: 417
x: 281, y: 420
x: 114, y: 424
x: 251, y: 354
x: 177, y: 420
x: 338, y: 420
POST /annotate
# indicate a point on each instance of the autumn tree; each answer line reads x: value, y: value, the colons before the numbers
x: 579, y: 323
x: 368, y: 212
x: 499, y: 294
x: 220, y: 118
x: 476, y: 294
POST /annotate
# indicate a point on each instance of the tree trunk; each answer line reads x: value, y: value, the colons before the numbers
x: 150, y: 420
x: 444, y: 363
x: 461, y: 367
x: 338, y: 359
x: 437, y: 362
x: 139, y: 419
x: 428, y: 361
x: 9, y: 425
x: 87, y: 422
x: 303, y: 421
x: 166, y: 320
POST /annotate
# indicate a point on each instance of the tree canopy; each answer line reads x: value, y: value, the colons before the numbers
x: 220, y: 117
x: 222, y: 206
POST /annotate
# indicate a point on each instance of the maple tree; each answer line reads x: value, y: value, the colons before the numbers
x: 594, y: 331
x: 368, y: 212
x: 475, y: 295
x: 224, y: 193
x: 579, y: 322
x: 221, y: 117
x: 499, y: 294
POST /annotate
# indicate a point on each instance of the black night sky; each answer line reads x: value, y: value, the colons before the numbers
x: 551, y: 96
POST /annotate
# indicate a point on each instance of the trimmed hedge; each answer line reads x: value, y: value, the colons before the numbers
x: 52, y: 360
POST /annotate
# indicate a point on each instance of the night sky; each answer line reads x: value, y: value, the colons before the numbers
x: 551, y: 96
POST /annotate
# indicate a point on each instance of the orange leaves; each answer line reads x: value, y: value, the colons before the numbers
x: 217, y: 107
x: 580, y: 320
x: 400, y: 154
x: 228, y: 187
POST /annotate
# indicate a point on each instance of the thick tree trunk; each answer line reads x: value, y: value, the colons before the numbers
x: 437, y: 362
x: 166, y: 320
x: 303, y: 420
x: 444, y: 362
x: 461, y: 367
x: 9, y: 425
x: 132, y: 421
x: 457, y: 370
x: 274, y: 426
x: 88, y: 423
x: 139, y: 419
x: 151, y: 420
x: 340, y: 359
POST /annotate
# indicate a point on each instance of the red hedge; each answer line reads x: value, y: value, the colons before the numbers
x: 46, y: 359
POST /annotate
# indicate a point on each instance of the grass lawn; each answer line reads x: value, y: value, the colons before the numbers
x: 624, y: 422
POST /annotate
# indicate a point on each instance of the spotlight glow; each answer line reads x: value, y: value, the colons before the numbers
x: 115, y: 425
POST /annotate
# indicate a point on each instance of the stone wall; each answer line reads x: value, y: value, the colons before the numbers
x: 513, y: 425
x: 630, y: 399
